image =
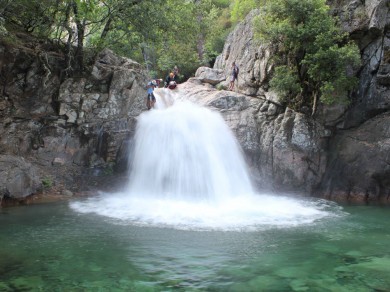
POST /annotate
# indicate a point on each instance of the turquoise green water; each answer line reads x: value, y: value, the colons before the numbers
x: 52, y: 248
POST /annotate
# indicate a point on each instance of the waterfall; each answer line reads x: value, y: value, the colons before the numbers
x: 188, y: 172
x: 187, y: 152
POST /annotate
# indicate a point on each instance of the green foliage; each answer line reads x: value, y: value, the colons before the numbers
x: 220, y: 86
x: 316, y: 59
x: 285, y: 81
x: 221, y: 3
x: 182, y: 54
x: 157, y: 33
x: 47, y: 182
x: 108, y: 170
x: 328, y: 69
x: 29, y: 15
x: 3, y: 31
x: 219, y: 26
x: 242, y: 7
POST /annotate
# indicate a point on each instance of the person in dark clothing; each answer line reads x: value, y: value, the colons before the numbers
x: 234, y: 75
x: 170, y: 81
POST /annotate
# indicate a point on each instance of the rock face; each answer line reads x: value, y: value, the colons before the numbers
x: 368, y: 23
x: 55, y: 128
x: 332, y: 155
x: 64, y: 127
x: 284, y: 150
x: 360, y: 162
x: 253, y: 59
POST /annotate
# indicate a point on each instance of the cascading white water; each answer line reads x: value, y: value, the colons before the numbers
x: 188, y: 172
x: 187, y: 152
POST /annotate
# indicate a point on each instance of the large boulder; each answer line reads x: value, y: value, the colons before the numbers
x: 18, y: 178
x: 209, y: 75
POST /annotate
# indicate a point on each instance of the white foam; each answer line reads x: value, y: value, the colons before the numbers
x: 242, y: 213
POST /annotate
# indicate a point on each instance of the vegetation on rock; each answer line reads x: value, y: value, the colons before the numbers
x: 315, y: 58
x: 157, y: 33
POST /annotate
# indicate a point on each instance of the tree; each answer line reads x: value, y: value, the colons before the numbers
x: 31, y: 16
x: 157, y: 33
x: 214, y: 26
x: 315, y: 55
x: 242, y: 7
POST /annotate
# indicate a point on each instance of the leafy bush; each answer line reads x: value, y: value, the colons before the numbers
x: 47, y: 182
x: 315, y: 57
x: 220, y: 86
x: 240, y: 8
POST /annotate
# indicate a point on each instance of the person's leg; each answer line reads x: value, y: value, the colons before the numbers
x: 233, y: 81
x: 148, y: 102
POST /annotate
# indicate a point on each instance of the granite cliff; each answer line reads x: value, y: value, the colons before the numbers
x: 57, y: 131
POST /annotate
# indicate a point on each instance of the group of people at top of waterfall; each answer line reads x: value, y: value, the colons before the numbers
x: 171, y: 83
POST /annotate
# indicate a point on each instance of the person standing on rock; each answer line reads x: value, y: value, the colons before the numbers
x: 176, y: 71
x: 234, y: 75
x: 151, y: 99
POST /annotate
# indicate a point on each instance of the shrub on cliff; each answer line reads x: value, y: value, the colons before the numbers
x: 315, y: 57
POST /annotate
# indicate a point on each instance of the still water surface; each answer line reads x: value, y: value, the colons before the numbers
x: 51, y: 247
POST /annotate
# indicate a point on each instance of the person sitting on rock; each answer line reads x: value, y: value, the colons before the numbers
x: 170, y: 81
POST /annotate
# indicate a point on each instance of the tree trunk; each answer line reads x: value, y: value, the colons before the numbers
x: 200, y: 41
x: 68, y: 48
x: 80, y: 38
x: 314, y: 105
x: 106, y: 28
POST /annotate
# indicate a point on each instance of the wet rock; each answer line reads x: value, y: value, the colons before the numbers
x: 67, y: 193
x: 18, y: 178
